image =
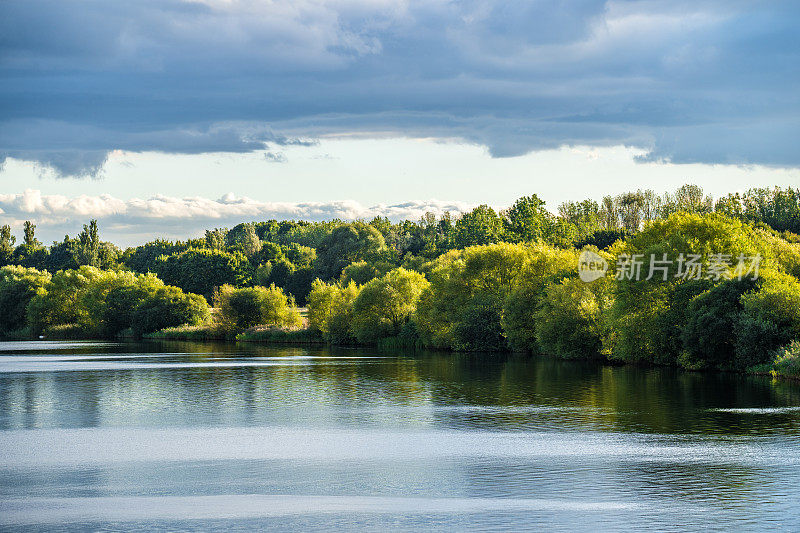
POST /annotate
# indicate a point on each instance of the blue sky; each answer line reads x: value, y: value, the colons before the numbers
x: 164, y: 117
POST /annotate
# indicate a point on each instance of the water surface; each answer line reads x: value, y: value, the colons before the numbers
x: 193, y: 436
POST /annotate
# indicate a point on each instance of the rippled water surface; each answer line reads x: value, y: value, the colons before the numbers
x: 187, y: 436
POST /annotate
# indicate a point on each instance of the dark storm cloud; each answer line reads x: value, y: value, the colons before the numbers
x: 702, y: 81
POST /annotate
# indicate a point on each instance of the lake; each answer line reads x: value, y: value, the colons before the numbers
x: 195, y: 436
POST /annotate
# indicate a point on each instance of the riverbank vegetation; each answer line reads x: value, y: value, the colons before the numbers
x: 483, y: 281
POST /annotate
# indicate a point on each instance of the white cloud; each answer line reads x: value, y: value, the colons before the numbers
x: 138, y: 220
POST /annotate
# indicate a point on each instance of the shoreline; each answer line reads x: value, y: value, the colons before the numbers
x: 307, y: 338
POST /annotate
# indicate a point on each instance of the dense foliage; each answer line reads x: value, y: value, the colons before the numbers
x: 484, y: 280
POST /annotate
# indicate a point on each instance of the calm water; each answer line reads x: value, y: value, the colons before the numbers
x: 189, y: 436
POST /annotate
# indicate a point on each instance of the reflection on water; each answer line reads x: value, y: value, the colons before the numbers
x: 205, y: 436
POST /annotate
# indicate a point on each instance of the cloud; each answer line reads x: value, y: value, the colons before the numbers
x: 704, y: 81
x: 136, y: 220
x: 275, y: 157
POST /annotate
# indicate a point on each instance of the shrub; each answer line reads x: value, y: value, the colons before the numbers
x: 756, y: 340
x: 102, y: 303
x: 770, y: 318
x: 478, y: 327
x: 648, y: 317
x: 787, y: 361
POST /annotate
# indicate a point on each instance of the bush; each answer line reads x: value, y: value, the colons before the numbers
x: 239, y: 309
x: 385, y: 304
x: 756, y: 340
x: 280, y: 335
x: 770, y: 318
x: 787, y: 361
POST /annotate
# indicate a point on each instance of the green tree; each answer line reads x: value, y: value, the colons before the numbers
x: 239, y: 309
x: 243, y: 238
x: 169, y: 307
x: 569, y: 320
x: 709, y: 334
x: 526, y: 220
x: 30, y: 229
x: 18, y: 286
x: 647, y: 317
x: 87, y: 251
x: 330, y: 310
x: 6, y: 245
x: 385, y: 304
x: 480, y: 277
x: 216, y: 238
x: 542, y: 266
x: 347, y: 244
x: 201, y: 270
x: 479, y: 226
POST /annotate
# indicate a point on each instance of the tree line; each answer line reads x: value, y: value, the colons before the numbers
x: 484, y: 280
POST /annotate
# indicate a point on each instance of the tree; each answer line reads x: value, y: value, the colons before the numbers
x: 18, y: 286
x: 385, y: 304
x: 347, y: 244
x: 29, y: 229
x: 712, y: 319
x: 543, y: 265
x: 479, y: 226
x: 526, y: 220
x: 361, y: 272
x: 201, y: 270
x: 647, y: 317
x: 216, y: 238
x: 6, y: 245
x: 243, y: 238
x: 239, y: 309
x: 169, y: 307
x: 687, y: 199
x: 569, y: 321
x: 62, y: 256
x: 770, y: 318
x: 330, y: 310
x: 479, y: 277
x: 88, y: 249
x: 143, y: 258
x: 31, y: 255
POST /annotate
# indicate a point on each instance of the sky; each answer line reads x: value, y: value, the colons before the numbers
x: 163, y: 118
